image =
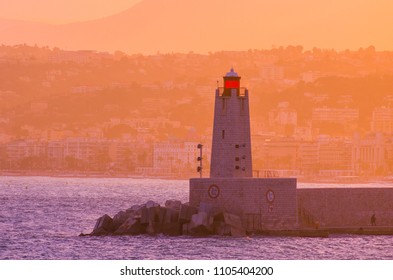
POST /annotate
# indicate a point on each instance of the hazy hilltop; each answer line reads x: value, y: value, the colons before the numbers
x: 48, y: 89
x: 123, y: 105
x: 205, y: 25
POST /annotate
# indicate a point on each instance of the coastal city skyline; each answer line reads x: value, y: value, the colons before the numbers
x: 311, y: 112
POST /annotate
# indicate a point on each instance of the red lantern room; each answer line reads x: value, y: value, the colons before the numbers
x: 231, y: 83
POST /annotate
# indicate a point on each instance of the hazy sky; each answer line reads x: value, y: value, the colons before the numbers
x: 206, y: 25
x: 62, y: 11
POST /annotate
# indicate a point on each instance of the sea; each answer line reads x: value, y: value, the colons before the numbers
x: 41, y: 218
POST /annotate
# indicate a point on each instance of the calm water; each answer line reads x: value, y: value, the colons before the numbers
x: 41, y: 218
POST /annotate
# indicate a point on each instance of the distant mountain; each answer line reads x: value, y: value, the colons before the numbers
x: 208, y: 25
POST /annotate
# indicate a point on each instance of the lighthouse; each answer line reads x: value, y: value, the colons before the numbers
x: 231, y: 143
x: 261, y: 203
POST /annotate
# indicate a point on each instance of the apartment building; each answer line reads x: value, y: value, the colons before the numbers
x: 175, y: 156
x: 382, y: 120
x: 369, y: 154
x: 335, y: 115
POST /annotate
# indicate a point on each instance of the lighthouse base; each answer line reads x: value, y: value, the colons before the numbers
x: 262, y: 203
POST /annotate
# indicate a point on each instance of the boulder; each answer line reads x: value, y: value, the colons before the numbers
x: 201, y: 224
x: 219, y: 217
x: 201, y: 218
x: 186, y: 213
x: 156, y: 214
x: 154, y: 229
x: 171, y: 225
x: 185, y: 228
x: 131, y: 227
x: 162, y: 214
x: 134, y: 208
x: 151, y: 204
x: 205, y: 207
x: 120, y: 218
x: 172, y: 229
x: 155, y: 217
x: 104, y: 225
x: 173, y: 204
x: 150, y: 212
x: 144, y: 215
x: 173, y: 219
x: 171, y: 215
x: 137, y: 210
x: 235, y: 223
x: 209, y: 208
x: 221, y: 228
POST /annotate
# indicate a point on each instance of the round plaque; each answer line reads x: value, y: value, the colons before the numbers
x: 213, y: 191
x: 270, y: 196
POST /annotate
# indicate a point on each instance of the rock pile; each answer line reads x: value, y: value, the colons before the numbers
x: 173, y: 219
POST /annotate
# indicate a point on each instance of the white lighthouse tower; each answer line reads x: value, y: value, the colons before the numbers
x: 231, y: 145
x: 261, y: 203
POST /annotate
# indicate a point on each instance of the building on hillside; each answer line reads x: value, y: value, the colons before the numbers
x: 173, y: 157
x: 369, y: 154
x: 335, y: 158
x: 309, y: 158
x: 281, y: 154
x: 283, y: 119
x: 22, y: 154
x: 335, y: 115
x: 382, y: 120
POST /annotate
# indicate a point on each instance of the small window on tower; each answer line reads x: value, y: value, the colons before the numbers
x: 223, y: 104
x: 223, y: 134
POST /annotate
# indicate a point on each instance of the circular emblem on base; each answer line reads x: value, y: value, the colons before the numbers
x: 213, y: 191
x: 270, y: 196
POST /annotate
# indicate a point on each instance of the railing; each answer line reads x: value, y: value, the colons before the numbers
x: 241, y: 92
x: 265, y: 173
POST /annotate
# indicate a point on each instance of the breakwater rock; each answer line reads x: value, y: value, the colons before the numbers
x: 173, y: 219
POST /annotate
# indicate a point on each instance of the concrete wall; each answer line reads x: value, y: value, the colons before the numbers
x: 247, y: 197
x: 345, y: 207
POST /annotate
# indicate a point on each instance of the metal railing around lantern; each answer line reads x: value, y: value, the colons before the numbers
x: 241, y: 92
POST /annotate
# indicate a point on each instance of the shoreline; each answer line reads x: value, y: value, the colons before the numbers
x: 108, y: 175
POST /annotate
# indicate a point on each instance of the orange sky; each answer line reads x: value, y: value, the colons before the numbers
x: 209, y: 25
x: 61, y: 11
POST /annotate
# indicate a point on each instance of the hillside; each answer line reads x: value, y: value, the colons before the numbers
x: 49, y: 89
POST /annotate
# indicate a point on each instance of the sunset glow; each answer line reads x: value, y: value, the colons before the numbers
x: 62, y: 11
x: 200, y: 26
